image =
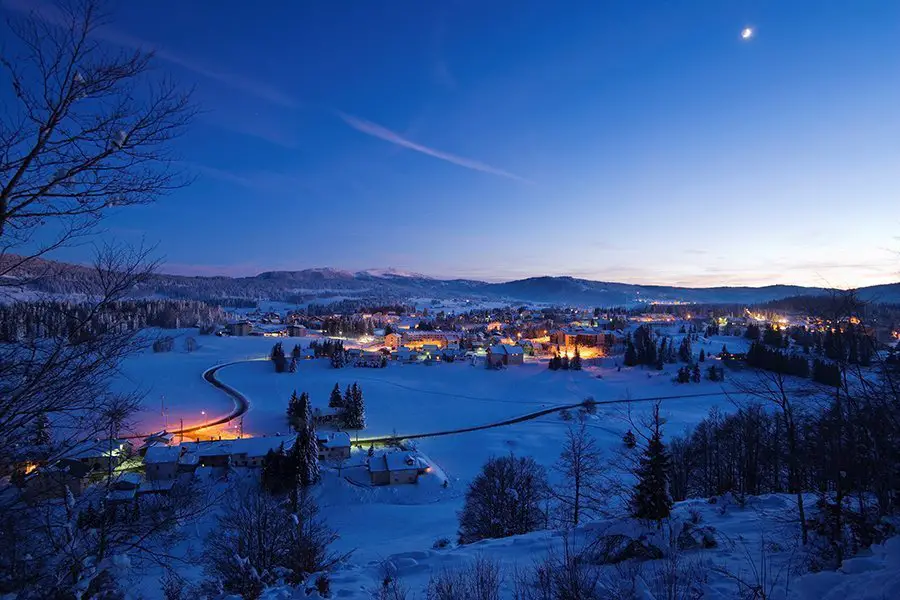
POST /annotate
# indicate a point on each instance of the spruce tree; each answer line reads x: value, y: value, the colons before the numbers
x: 702, y: 355
x: 685, y: 353
x: 336, y: 400
x: 650, y: 499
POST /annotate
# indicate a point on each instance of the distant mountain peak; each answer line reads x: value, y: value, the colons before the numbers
x: 392, y: 272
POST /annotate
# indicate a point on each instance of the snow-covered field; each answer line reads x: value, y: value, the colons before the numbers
x: 411, y: 398
x: 401, y: 523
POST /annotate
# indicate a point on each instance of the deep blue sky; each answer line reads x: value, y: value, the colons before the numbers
x: 631, y: 141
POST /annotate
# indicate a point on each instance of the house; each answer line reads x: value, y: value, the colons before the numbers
x: 241, y: 452
x: 124, y: 489
x: 100, y: 455
x: 161, y: 462
x: 334, y: 445
x: 51, y: 481
x: 297, y: 331
x: 505, y: 354
x: 393, y: 467
x: 160, y: 438
x: 406, y: 355
x: 430, y: 350
x: 239, y: 328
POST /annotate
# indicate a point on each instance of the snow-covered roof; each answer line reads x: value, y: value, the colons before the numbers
x: 127, y: 480
x: 506, y: 349
x: 584, y: 331
x: 189, y: 459
x: 160, y: 436
x: 334, y: 439
x: 96, y: 449
x: 66, y: 466
x: 162, y: 454
x: 418, y: 333
x: 396, y: 461
x: 254, y: 446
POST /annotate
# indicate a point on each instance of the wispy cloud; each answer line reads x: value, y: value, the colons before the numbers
x: 52, y: 14
x: 220, y: 174
x: 383, y: 133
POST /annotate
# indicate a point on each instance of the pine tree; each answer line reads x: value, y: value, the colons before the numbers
x: 41, y: 435
x: 336, y: 400
x: 629, y: 440
x: 702, y: 355
x: 651, y: 500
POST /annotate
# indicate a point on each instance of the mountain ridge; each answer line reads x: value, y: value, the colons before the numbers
x: 390, y: 284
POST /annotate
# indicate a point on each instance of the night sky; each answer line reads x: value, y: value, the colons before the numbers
x: 642, y: 142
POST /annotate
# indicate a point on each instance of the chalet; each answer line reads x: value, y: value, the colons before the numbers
x: 239, y: 328
x: 297, y: 331
x: 505, y: 354
x: 52, y: 481
x: 161, y: 462
x: 241, y: 452
x: 334, y: 445
x: 388, y: 468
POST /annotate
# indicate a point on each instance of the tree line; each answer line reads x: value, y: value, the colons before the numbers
x: 55, y: 318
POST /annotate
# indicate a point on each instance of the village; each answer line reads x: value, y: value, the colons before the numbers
x: 155, y: 463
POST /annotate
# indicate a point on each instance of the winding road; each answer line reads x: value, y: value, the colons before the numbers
x: 242, y: 405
